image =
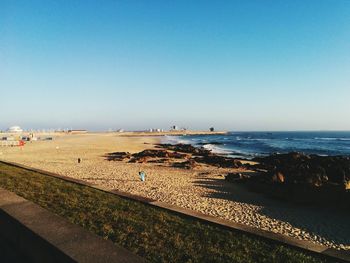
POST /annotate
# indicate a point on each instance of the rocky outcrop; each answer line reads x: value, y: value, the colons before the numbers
x: 191, y: 155
x: 118, y: 156
x: 219, y: 161
x: 189, y: 164
x: 306, y: 169
x: 212, y: 143
x: 148, y: 154
x: 185, y: 148
x: 151, y: 153
x: 306, y: 179
x: 233, y: 177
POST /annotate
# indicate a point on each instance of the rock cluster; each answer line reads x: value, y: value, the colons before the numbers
x: 234, y: 177
x: 306, y: 169
x: 309, y: 179
x: 190, y: 155
x: 118, y: 156
x: 219, y: 161
x: 189, y: 164
x: 185, y: 148
x: 204, y: 156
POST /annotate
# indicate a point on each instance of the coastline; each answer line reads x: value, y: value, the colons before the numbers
x: 249, y: 145
x: 200, y: 189
x: 170, y: 133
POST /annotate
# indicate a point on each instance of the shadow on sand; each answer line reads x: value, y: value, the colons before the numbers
x: 327, y: 223
x: 109, y: 179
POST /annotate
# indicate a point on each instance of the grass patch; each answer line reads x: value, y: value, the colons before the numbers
x: 152, y: 233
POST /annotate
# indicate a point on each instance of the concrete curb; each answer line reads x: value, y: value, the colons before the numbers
x: 323, y: 251
x: 42, y: 236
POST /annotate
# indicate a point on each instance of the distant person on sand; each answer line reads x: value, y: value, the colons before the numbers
x: 142, y: 175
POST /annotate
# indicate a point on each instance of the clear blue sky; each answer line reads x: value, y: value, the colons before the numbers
x: 235, y: 65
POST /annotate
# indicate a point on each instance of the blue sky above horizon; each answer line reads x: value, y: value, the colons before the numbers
x: 235, y: 65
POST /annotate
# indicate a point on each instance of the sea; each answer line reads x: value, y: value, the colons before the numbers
x: 256, y: 144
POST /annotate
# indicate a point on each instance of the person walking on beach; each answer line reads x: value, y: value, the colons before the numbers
x: 142, y: 175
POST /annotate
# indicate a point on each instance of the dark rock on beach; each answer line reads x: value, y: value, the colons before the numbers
x: 177, y: 155
x: 232, y: 177
x: 204, y: 156
x: 157, y: 154
x: 219, y: 161
x: 307, y: 179
x: 151, y: 153
x: 139, y: 159
x: 193, y: 156
x: 189, y: 164
x: 310, y: 169
x: 163, y: 160
x: 118, y: 156
x: 185, y: 148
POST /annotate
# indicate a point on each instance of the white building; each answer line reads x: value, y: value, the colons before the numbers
x: 15, y: 129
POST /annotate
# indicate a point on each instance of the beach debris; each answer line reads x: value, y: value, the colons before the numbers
x: 142, y: 175
x: 79, y: 160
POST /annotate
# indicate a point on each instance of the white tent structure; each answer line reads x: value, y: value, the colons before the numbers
x: 15, y: 129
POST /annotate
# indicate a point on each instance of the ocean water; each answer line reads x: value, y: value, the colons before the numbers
x: 252, y: 144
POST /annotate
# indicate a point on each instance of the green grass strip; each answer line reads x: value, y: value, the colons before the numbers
x: 155, y: 234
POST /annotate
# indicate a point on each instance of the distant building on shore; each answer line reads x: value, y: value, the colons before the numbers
x: 155, y: 130
x: 15, y: 129
x: 174, y: 128
x: 77, y: 131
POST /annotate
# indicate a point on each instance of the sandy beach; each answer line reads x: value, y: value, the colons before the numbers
x: 202, y: 188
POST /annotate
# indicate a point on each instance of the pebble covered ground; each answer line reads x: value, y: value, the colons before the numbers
x: 202, y: 189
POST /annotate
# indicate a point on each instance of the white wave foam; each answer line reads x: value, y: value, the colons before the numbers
x: 216, y: 149
x: 259, y: 139
x: 332, y: 139
x: 175, y: 140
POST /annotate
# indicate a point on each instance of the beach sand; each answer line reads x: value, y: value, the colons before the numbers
x: 202, y: 188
